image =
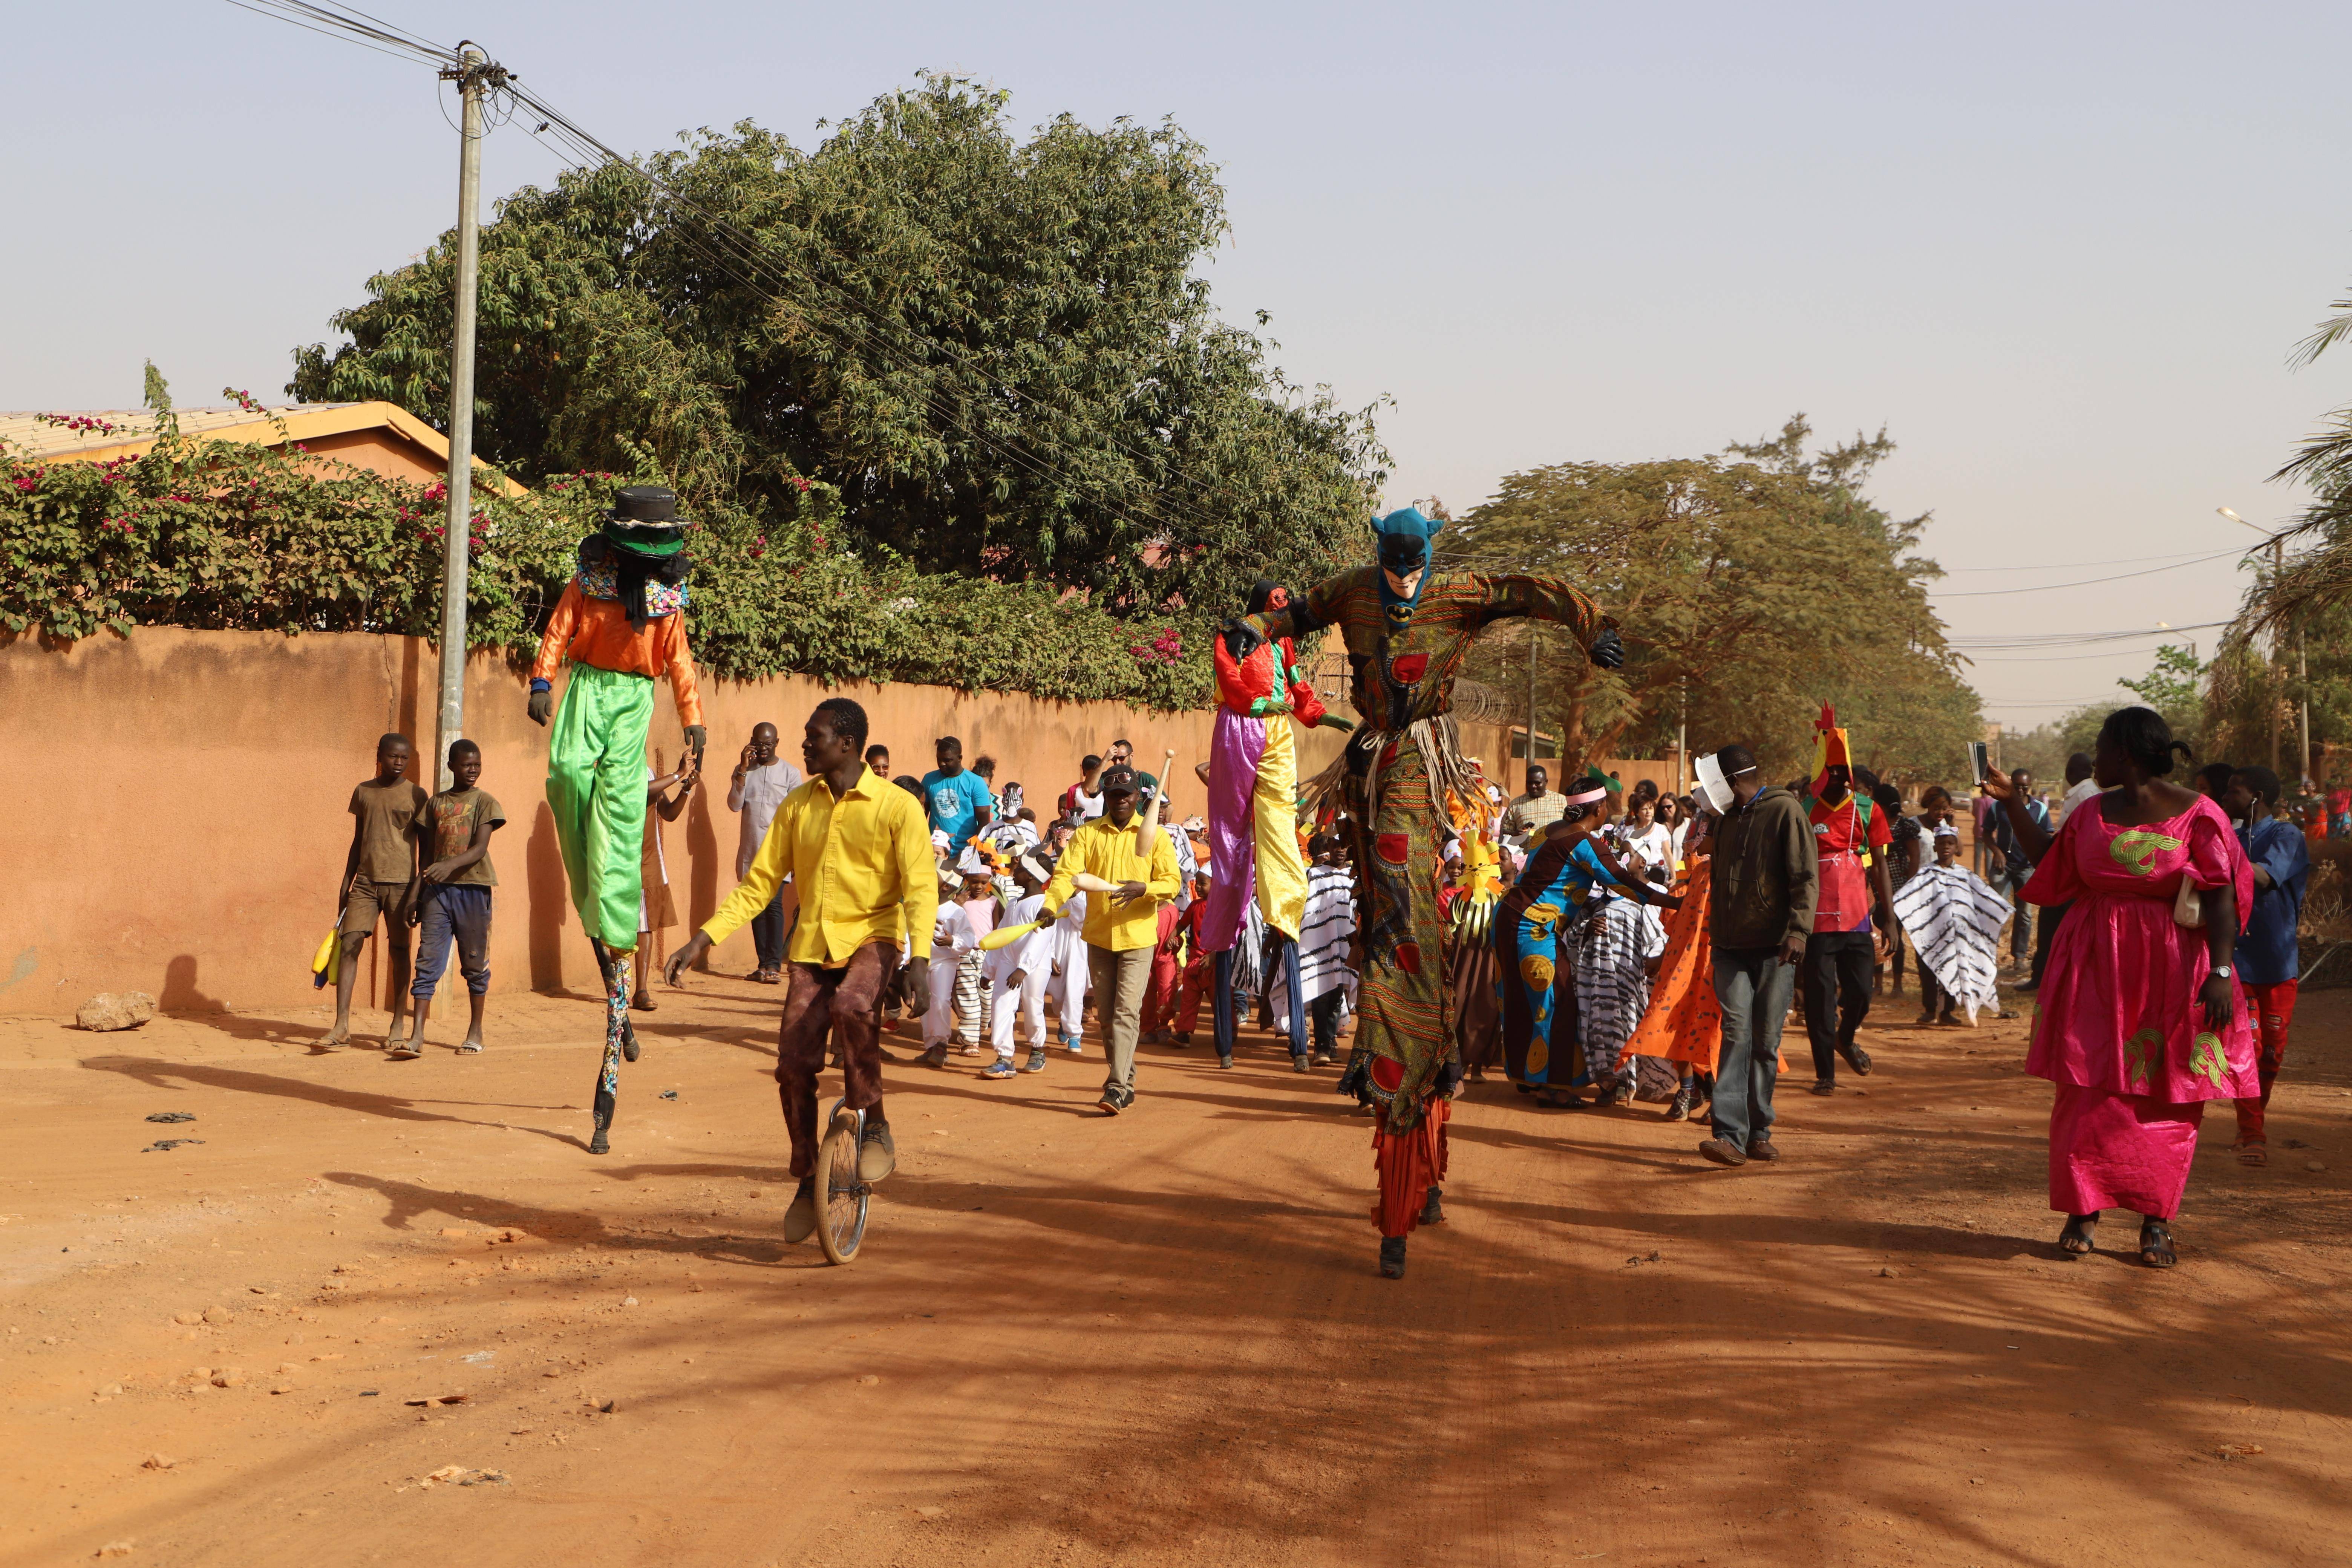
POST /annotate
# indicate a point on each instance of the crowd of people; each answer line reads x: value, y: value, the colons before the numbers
x: 1608, y: 944
x: 1599, y: 946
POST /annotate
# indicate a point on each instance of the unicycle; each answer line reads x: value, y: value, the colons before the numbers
x: 841, y: 1195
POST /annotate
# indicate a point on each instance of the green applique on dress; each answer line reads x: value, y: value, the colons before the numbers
x: 2206, y: 1061
x: 2139, y: 1057
x: 2134, y: 848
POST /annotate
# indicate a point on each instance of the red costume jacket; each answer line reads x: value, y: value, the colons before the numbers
x: 1271, y: 672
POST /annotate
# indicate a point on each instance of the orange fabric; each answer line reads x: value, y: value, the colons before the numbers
x: 1683, y: 1023
x: 597, y: 632
x: 1409, y: 1165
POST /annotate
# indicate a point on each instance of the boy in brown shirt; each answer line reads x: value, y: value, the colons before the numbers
x: 378, y: 879
x: 454, y: 902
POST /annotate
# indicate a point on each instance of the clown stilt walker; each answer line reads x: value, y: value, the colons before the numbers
x: 1254, y: 810
x: 621, y: 625
x: 1407, y: 628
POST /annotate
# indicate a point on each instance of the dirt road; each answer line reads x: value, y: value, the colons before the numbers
x: 1154, y: 1339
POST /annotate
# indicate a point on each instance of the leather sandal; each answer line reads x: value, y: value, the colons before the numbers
x: 2155, y: 1244
x: 2080, y: 1238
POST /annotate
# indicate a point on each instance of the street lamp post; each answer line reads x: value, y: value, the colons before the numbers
x: 2278, y: 570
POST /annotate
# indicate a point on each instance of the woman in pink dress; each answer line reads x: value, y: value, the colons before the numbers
x: 2140, y: 1021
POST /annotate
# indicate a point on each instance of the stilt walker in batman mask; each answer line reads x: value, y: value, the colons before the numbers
x: 1407, y: 627
x: 621, y: 625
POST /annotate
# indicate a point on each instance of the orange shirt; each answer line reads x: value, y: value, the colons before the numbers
x: 597, y: 632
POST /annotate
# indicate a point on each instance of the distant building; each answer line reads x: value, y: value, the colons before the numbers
x: 378, y: 436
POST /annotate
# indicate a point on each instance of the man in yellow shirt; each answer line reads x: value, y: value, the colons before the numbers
x: 859, y: 850
x: 1122, y: 925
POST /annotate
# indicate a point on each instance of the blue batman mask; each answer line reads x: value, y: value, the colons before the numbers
x: 1404, y: 537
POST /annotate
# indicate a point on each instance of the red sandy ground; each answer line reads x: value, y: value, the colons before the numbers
x: 1154, y: 1339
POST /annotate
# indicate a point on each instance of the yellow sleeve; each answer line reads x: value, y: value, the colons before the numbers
x: 757, y: 890
x: 918, y: 878
x: 1064, y: 881
x: 1164, y: 881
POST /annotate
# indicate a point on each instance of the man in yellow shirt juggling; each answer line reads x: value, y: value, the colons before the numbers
x: 859, y: 850
x: 1125, y: 888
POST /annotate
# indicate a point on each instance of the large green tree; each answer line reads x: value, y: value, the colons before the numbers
x: 999, y: 352
x: 1751, y: 586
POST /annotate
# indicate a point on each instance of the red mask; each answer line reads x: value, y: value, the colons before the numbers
x: 1278, y: 599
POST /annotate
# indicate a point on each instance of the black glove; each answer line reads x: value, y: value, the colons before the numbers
x: 1609, y: 649
x: 1449, y: 1077
x: 918, y: 999
x: 1239, y: 638
x: 1352, y: 1080
x: 542, y: 703
x: 697, y: 737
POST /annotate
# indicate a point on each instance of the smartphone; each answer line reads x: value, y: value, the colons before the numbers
x: 1979, y: 759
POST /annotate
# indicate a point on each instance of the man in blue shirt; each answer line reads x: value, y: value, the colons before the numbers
x: 2269, y: 966
x: 2012, y: 871
x: 957, y: 798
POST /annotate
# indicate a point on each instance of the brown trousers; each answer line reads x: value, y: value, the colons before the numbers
x: 844, y: 1006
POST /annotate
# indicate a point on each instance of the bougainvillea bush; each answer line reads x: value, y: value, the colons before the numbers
x: 226, y: 536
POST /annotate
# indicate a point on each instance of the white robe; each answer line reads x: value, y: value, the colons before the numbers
x: 1954, y: 921
x: 1326, y: 928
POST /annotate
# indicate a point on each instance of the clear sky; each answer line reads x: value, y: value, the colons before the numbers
x: 2059, y: 252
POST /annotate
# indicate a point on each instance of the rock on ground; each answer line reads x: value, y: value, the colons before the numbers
x: 116, y: 1010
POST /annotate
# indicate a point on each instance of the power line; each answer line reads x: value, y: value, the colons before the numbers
x: 351, y: 26
x: 2057, y: 565
x: 2080, y: 582
x: 1992, y: 642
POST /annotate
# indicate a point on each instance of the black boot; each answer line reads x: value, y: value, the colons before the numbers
x: 1679, y: 1108
x: 600, y: 1144
x: 1392, y: 1258
x: 1434, y: 1212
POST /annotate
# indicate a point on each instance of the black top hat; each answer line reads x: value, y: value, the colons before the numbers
x: 645, y: 503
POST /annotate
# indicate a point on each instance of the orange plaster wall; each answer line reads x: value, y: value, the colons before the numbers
x: 381, y: 451
x: 183, y: 827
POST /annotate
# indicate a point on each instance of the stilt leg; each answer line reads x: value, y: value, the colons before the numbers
x: 618, y: 1037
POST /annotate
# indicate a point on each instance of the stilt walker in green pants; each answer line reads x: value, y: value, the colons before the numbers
x: 621, y: 625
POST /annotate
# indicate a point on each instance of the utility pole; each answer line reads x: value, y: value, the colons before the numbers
x: 1523, y: 786
x: 2303, y: 679
x: 1681, y: 742
x: 472, y: 73
x: 2278, y: 567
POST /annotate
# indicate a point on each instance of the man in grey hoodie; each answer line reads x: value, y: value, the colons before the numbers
x: 1764, y: 883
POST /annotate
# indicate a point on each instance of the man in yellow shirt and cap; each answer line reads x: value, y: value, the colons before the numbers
x: 859, y: 850
x: 1122, y: 918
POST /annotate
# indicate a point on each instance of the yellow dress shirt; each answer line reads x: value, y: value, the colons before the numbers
x: 1110, y: 852
x: 863, y: 865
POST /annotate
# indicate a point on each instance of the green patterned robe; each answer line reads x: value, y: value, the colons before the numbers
x: 1403, y: 662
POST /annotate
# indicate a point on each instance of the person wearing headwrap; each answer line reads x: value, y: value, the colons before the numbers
x: 1407, y: 627
x: 620, y: 625
x: 1567, y: 884
x: 1253, y: 806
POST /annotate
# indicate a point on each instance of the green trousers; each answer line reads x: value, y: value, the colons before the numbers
x: 596, y: 787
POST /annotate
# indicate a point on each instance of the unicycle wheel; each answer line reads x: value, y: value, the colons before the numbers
x: 841, y: 1197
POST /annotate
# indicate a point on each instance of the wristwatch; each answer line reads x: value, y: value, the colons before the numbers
x: 2220, y: 969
